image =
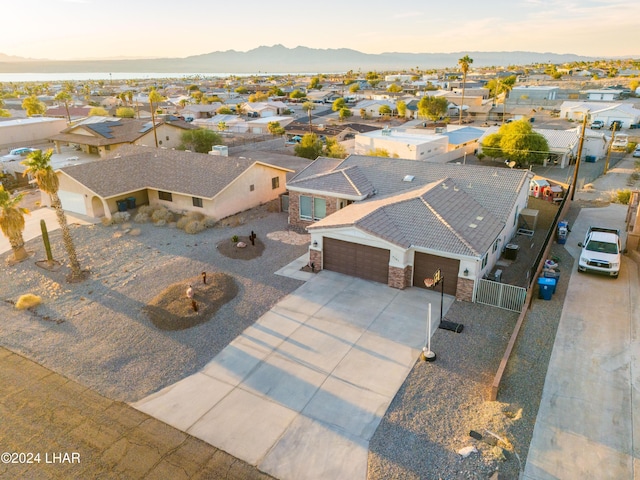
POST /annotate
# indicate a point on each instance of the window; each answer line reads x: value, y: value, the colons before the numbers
x: 197, y: 202
x: 165, y: 196
x: 495, y: 245
x: 319, y: 208
x: 252, y: 188
x: 484, y: 260
x: 305, y: 207
x: 275, y: 183
x: 167, y: 137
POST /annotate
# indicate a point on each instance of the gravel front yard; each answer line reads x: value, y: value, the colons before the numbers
x: 97, y: 332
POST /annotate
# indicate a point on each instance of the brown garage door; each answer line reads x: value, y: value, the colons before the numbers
x: 424, y: 266
x: 356, y: 260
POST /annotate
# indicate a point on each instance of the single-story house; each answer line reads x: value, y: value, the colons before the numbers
x: 604, y: 94
x: 398, y: 221
x: 102, y: 135
x: 534, y: 92
x: 607, y: 112
x: 399, y: 143
x: 563, y: 144
x: 26, y: 132
x: 181, y: 181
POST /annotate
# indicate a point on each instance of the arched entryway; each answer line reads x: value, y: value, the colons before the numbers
x: 97, y: 207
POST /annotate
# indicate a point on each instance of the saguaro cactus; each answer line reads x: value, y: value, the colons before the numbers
x: 45, y: 240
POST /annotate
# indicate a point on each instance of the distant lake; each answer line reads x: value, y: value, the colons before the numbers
x: 83, y: 76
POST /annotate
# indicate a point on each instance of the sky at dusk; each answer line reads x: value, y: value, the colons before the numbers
x: 82, y: 29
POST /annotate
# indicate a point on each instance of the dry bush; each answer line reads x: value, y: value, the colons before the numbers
x: 162, y: 214
x: 135, y: 232
x: 194, y: 227
x: 183, y: 222
x: 28, y: 300
x: 195, y: 216
x: 141, y: 218
x: 106, y: 221
x: 159, y: 223
x: 148, y: 209
x: 117, y: 234
x: 209, y: 222
x: 121, y: 217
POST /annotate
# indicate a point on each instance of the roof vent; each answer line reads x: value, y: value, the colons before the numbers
x: 472, y: 225
x: 408, y: 178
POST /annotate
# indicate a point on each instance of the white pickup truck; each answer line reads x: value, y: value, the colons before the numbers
x: 601, y: 251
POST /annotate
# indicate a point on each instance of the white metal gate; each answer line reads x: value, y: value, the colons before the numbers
x: 502, y: 295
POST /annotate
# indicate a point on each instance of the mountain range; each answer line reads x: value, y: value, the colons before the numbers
x: 280, y: 59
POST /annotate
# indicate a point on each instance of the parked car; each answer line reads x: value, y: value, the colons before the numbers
x: 636, y: 152
x: 17, y: 154
x: 597, y: 124
x: 633, y: 126
x: 616, y: 124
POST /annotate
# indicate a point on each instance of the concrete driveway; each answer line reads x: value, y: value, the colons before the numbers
x: 585, y: 428
x: 300, y: 393
x: 32, y: 225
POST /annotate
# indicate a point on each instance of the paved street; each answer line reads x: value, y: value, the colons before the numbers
x: 586, y: 427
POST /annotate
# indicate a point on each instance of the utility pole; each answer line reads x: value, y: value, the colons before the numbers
x: 613, y: 137
x: 577, y: 167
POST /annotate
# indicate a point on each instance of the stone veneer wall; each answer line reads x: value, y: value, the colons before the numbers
x: 295, y: 222
x: 465, y: 289
x: 400, y: 277
x: 315, y: 257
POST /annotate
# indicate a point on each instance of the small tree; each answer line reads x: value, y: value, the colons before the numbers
x: 354, y: 88
x: 258, y: 97
x: 394, y: 88
x: 125, y: 112
x: 338, y: 103
x: 275, y: 129
x: 344, y: 113
x: 33, y: 106
x: 385, y: 110
x: 378, y: 152
x: 517, y: 142
x: 224, y: 111
x: 297, y: 94
x: 200, y: 140
x: 433, y: 108
x: 333, y: 149
x: 309, y: 147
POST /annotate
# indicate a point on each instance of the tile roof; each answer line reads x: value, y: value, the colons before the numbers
x: 346, y: 181
x: 133, y: 168
x: 439, y: 216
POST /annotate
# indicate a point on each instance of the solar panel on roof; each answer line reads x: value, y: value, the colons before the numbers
x: 146, y: 127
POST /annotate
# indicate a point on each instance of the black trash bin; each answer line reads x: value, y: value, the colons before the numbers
x: 511, y: 251
x: 131, y: 202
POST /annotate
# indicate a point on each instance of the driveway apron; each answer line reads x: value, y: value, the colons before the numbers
x: 300, y: 393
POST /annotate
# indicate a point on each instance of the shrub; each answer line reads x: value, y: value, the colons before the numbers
x: 160, y: 223
x: 148, y: 209
x: 195, y: 216
x: 141, y: 218
x: 622, y: 196
x: 121, y: 217
x: 183, y: 222
x: 235, y: 239
x: 162, y: 214
x: 194, y: 227
x: 107, y: 221
x: 135, y: 232
x: 28, y: 300
x: 209, y: 222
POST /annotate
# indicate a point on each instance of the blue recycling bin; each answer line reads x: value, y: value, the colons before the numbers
x: 563, y: 231
x: 546, y: 286
x: 131, y: 202
x: 122, y: 205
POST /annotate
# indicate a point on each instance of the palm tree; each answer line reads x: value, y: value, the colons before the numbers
x: 308, y: 107
x: 505, y: 86
x: 64, y: 97
x: 12, y: 222
x: 464, y: 63
x: 39, y: 166
x: 154, y: 97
